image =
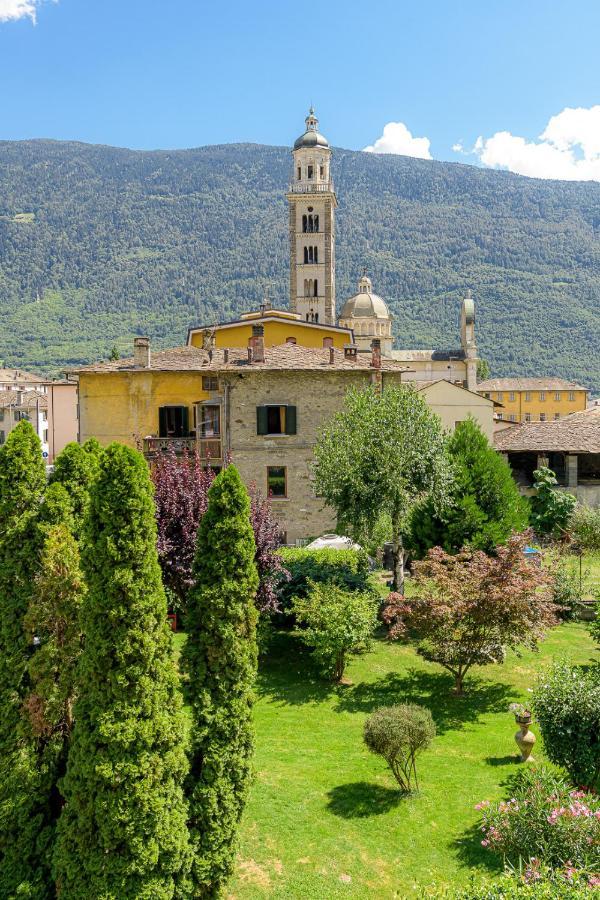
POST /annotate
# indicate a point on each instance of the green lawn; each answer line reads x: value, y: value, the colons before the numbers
x: 324, y: 819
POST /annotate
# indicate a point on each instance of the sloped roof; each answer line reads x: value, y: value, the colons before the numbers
x: 23, y: 399
x: 17, y: 375
x: 282, y: 357
x: 577, y: 433
x: 529, y: 384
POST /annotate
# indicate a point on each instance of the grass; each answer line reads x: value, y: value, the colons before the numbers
x: 324, y: 818
x: 589, y: 567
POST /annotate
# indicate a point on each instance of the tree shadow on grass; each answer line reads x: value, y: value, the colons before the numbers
x: 360, y: 800
x: 430, y: 689
x: 287, y: 674
x: 469, y: 851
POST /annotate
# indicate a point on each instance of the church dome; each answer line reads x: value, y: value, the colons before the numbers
x: 311, y: 137
x: 365, y: 304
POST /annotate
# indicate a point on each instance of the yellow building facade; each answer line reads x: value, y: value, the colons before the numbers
x: 279, y: 327
x: 534, y: 399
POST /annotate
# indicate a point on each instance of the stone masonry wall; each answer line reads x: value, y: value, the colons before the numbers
x: 316, y: 399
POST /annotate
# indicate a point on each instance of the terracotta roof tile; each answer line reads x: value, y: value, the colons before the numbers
x: 282, y: 357
x: 529, y: 384
x: 577, y: 433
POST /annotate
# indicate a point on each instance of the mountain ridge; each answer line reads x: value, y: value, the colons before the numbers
x: 98, y: 244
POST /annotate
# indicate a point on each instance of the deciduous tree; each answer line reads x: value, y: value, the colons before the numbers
x: 470, y: 607
x: 383, y: 453
x: 181, y: 496
x: 219, y: 660
x: 122, y: 832
x: 337, y: 622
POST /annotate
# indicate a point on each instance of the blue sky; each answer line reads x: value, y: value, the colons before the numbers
x: 485, y: 78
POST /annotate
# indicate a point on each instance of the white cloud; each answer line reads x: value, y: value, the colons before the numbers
x: 567, y: 149
x: 10, y: 10
x: 396, y: 138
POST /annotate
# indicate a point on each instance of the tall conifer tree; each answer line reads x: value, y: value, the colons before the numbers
x: 219, y: 659
x: 122, y: 833
x: 75, y: 469
x: 22, y: 809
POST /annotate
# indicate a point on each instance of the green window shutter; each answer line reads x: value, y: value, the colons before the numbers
x: 290, y: 420
x: 185, y: 421
x: 162, y: 421
x: 262, y: 424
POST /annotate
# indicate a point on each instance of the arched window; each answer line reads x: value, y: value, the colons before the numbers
x: 328, y: 342
x: 305, y: 255
x: 315, y: 223
x: 309, y: 172
x: 299, y: 173
x: 315, y: 254
x: 310, y: 223
x: 322, y: 173
x: 316, y: 317
x: 304, y: 224
x: 316, y: 288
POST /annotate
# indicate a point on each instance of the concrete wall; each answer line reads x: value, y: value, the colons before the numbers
x: 275, y: 333
x: 63, y: 422
x: 453, y: 404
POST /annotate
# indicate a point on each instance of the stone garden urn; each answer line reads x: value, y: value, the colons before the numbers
x: 525, y: 739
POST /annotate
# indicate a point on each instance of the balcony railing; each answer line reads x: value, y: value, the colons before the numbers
x: 317, y: 187
x: 208, y: 448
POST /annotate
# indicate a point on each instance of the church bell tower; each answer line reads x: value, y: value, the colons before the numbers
x: 312, y: 204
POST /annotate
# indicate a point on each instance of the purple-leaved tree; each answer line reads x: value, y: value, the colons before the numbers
x: 181, y: 486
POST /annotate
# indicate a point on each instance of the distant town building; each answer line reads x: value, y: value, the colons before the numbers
x: 569, y: 446
x: 534, y: 399
x: 50, y: 406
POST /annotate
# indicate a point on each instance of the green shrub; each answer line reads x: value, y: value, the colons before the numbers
x: 349, y: 569
x: 550, y: 509
x: 398, y: 734
x: 545, y: 820
x: 584, y: 526
x: 565, y: 589
x: 337, y: 622
x: 566, y: 703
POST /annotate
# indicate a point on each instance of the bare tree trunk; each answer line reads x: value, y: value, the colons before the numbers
x: 398, y: 573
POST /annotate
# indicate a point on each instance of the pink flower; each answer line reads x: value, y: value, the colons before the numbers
x: 485, y: 843
x: 482, y: 805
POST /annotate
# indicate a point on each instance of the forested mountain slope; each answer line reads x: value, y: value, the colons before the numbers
x: 98, y: 244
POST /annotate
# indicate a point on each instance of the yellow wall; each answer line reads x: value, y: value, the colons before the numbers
x: 520, y: 405
x: 123, y: 406
x: 275, y: 333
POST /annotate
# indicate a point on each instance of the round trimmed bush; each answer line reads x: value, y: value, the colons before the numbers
x: 398, y: 734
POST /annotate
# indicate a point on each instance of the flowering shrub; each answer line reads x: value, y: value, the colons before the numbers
x: 533, y: 882
x: 545, y: 823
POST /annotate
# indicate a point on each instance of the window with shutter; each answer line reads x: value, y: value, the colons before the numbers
x: 262, y: 426
x: 290, y: 420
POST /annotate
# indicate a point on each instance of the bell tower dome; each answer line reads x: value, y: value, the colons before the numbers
x: 312, y: 203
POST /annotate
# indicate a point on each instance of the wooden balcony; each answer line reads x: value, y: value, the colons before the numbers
x: 208, y: 448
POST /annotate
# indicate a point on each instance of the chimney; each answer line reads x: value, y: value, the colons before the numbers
x: 350, y: 351
x: 257, y: 344
x: 331, y: 355
x: 376, y: 353
x: 141, y: 352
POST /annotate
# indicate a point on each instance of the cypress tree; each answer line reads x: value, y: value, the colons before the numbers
x: 23, y: 849
x: 220, y: 659
x: 122, y: 833
x: 75, y: 468
x: 483, y: 507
